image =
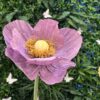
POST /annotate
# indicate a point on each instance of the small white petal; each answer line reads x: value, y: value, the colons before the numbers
x: 67, y: 78
x: 10, y: 80
x: 80, y: 31
x: 46, y: 14
x: 9, y: 98
x: 98, y: 41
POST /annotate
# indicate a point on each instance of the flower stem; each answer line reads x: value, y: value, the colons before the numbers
x: 36, y: 84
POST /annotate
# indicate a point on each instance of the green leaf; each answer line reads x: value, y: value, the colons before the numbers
x: 75, y: 92
x: 10, y: 16
x: 77, y: 20
x: 64, y: 15
x: 24, y: 18
x: 81, y: 73
x: 71, y: 23
x: 45, y: 2
x: 87, y: 98
x: 92, y: 72
x: 55, y: 94
x: 39, y: 1
x: 77, y: 98
x: 95, y: 16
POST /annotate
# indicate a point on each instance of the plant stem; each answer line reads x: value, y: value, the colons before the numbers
x: 36, y: 84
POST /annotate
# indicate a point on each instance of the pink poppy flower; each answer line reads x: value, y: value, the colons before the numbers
x: 44, y: 50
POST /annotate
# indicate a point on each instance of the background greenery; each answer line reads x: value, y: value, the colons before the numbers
x: 82, y: 14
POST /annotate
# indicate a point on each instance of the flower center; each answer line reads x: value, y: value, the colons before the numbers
x: 40, y: 48
x: 41, y: 45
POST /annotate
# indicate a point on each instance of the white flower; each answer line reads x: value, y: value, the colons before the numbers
x: 46, y: 14
x: 10, y: 80
x: 98, y: 41
x: 67, y: 78
x: 9, y: 98
x: 80, y: 31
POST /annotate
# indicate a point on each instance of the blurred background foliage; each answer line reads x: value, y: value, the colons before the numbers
x: 84, y: 14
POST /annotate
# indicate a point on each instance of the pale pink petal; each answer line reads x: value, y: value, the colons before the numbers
x: 18, y: 43
x: 23, y: 28
x: 72, y: 43
x: 16, y: 33
x: 30, y: 70
x: 48, y: 29
x: 55, y: 73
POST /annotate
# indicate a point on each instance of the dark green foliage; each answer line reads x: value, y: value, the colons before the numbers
x: 76, y: 14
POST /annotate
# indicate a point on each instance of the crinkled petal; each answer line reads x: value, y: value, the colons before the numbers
x: 48, y: 29
x: 16, y: 33
x: 30, y: 70
x: 18, y: 43
x: 23, y: 28
x: 55, y: 73
x: 72, y: 43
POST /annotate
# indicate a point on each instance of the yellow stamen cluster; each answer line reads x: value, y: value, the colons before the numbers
x: 40, y: 48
